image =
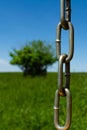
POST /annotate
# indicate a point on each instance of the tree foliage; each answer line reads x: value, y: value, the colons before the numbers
x: 33, y: 58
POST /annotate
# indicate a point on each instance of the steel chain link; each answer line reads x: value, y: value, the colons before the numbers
x: 65, y: 13
x: 64, y: 90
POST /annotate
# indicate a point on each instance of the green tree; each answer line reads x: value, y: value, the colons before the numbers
x: 33, y: 58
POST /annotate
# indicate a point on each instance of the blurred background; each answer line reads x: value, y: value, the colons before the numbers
x: 26, y: 20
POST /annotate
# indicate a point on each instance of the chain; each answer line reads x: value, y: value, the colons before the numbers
x: 65, y: 23
x: 65, y: 13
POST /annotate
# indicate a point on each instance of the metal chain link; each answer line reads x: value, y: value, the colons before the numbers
x: 65, y: 13
x: 65, y: 24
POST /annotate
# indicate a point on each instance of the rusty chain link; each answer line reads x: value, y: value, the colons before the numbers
x: 64, y: 89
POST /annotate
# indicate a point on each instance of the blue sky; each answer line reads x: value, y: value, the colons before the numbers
x: 26, y: 20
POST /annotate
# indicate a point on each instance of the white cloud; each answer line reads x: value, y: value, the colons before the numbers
x: 5, y: 66
x: 3, y: 62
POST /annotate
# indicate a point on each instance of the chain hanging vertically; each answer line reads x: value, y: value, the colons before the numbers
x: 65, y: 23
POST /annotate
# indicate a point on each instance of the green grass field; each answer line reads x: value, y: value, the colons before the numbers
x: 26, y: 103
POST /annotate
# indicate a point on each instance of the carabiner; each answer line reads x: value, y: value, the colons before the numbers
x: 68, y: 110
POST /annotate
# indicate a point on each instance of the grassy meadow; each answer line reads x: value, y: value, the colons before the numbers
x: 26, y: 103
